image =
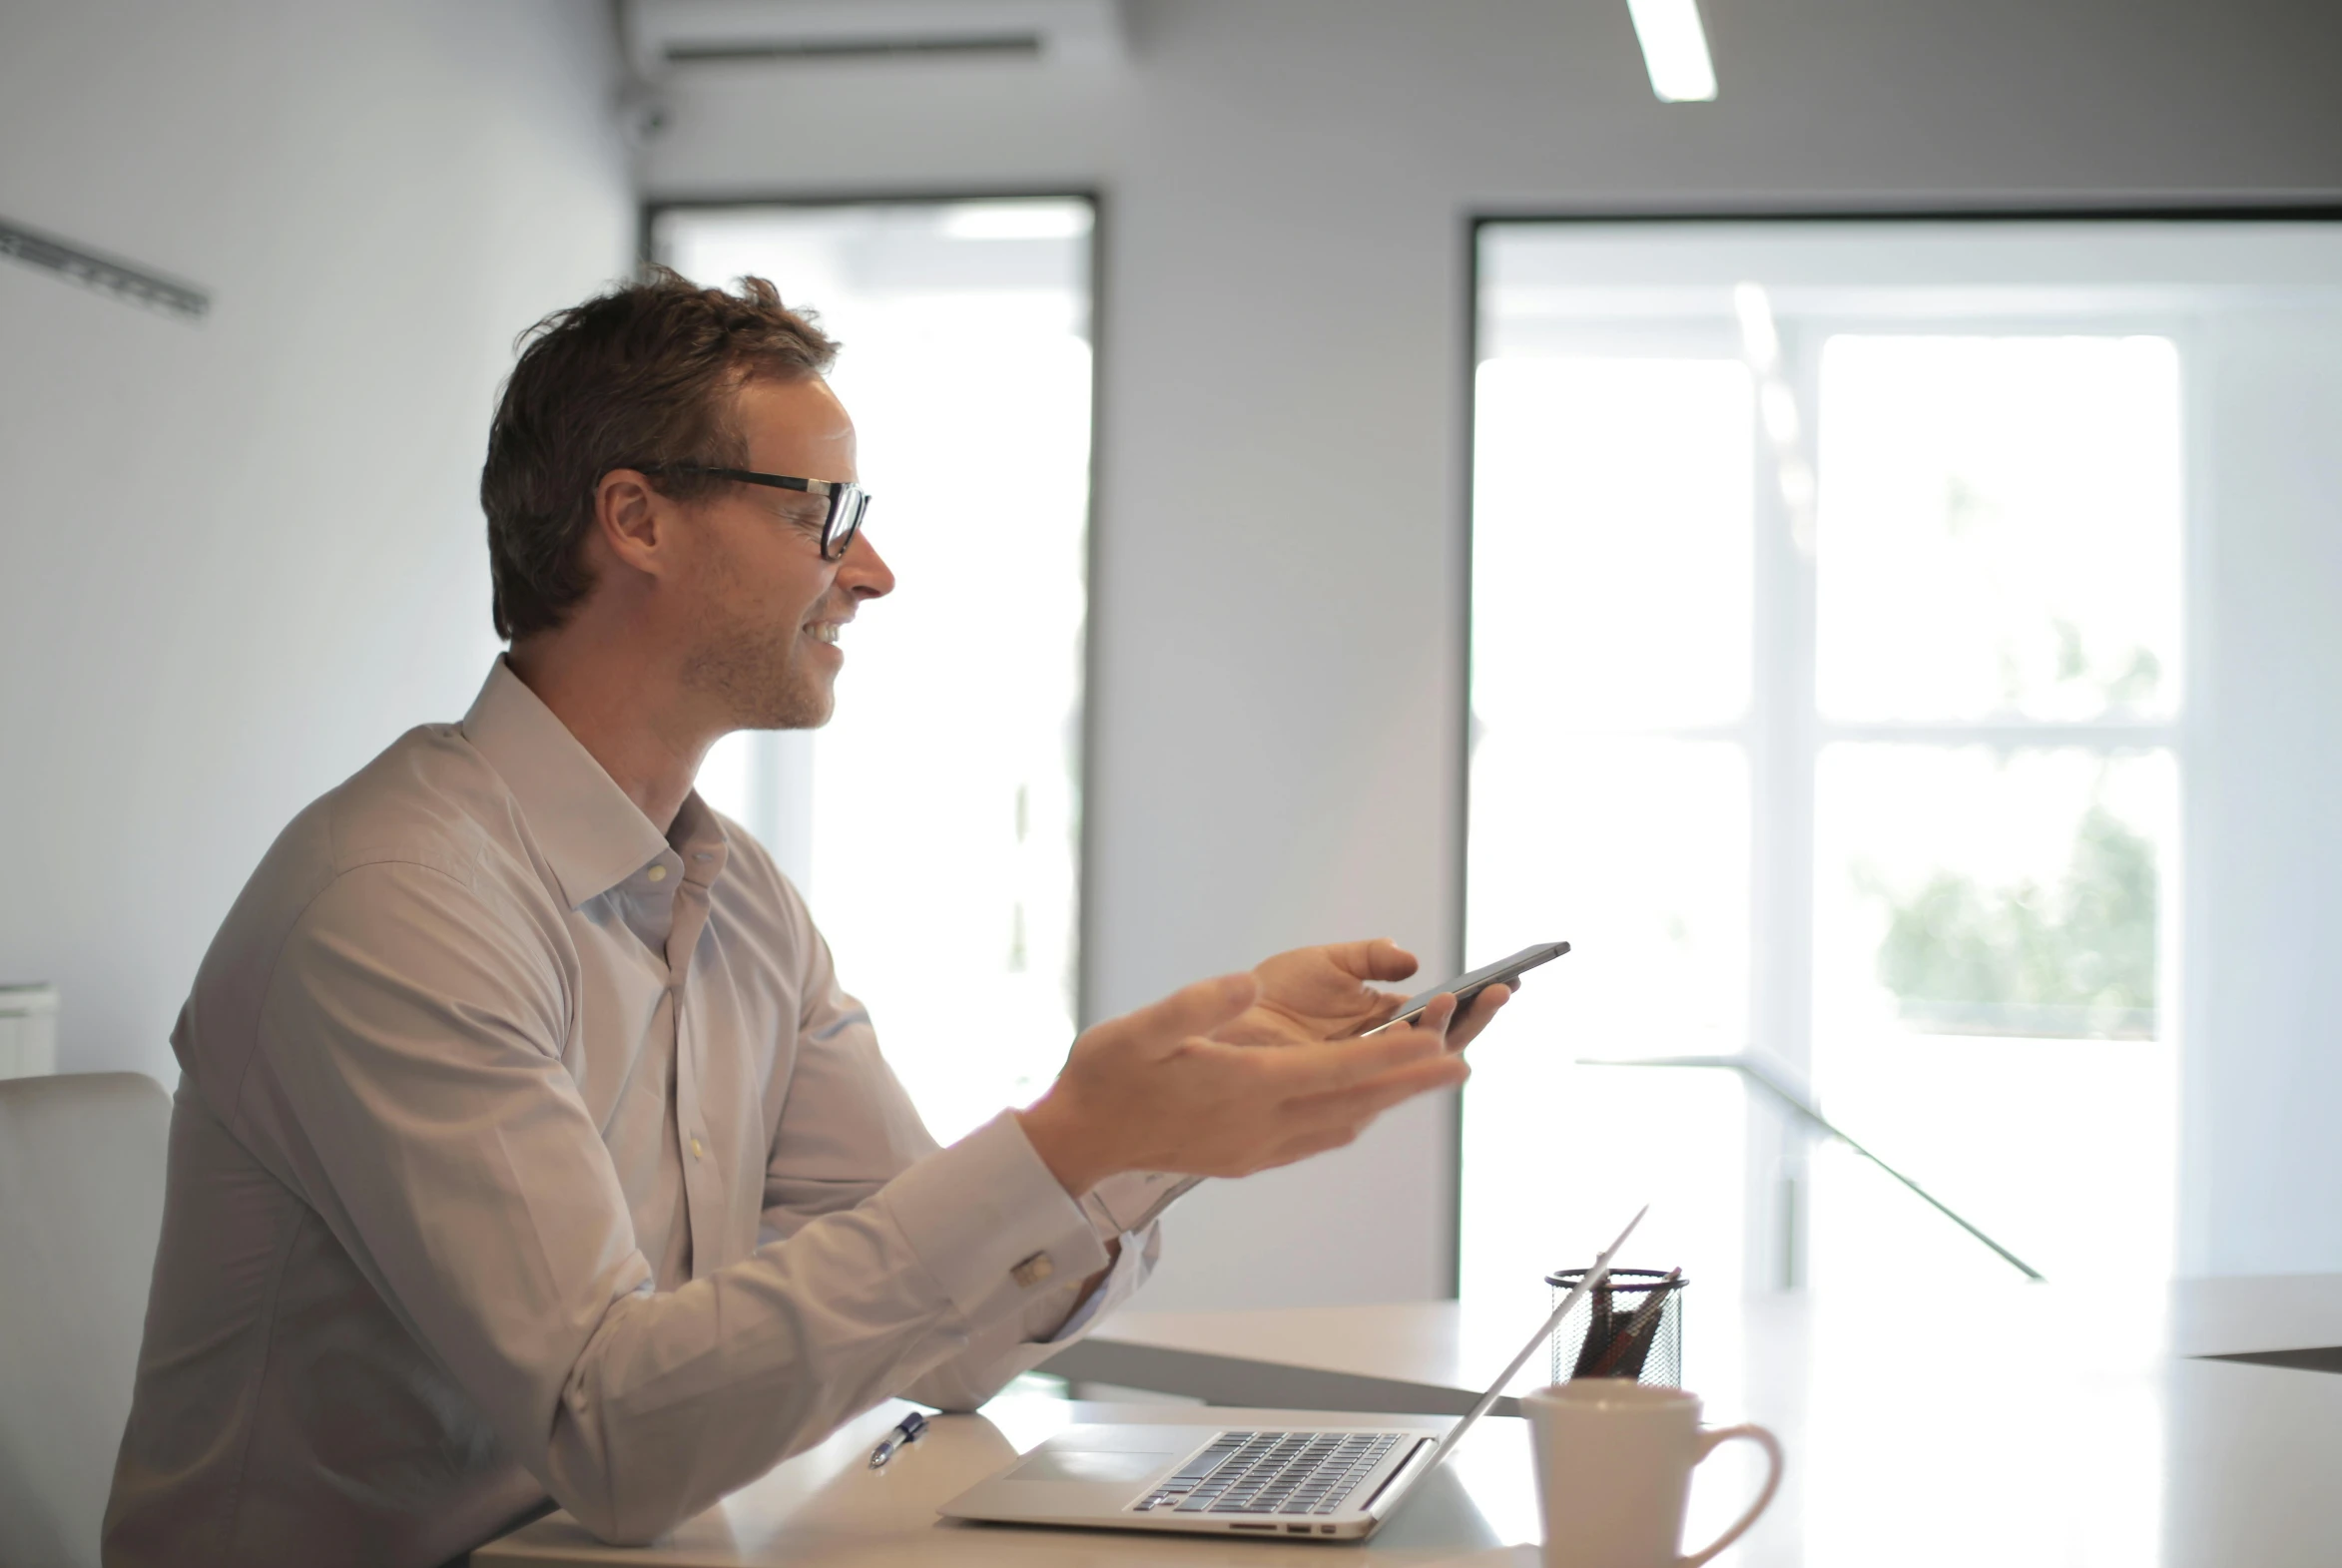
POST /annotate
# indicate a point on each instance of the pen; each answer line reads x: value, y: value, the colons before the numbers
x: 1644, y: 1323
x: 906, y: 1431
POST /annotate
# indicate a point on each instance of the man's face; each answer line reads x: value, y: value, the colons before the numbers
x: 766, y: 607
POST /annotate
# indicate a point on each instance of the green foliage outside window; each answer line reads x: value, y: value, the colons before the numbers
x: 2077, y: 962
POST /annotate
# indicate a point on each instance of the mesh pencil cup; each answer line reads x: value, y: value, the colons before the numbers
x: 1602, y: 1336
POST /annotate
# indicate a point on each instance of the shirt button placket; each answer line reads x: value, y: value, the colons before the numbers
x: 698, y: 1196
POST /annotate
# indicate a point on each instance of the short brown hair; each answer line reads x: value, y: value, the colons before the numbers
x: 642, y: 375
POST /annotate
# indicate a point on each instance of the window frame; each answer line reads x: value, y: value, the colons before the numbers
x: 652, y: 209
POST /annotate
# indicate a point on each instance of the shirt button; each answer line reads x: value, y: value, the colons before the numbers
x: 1033, y: 1269
x: 658, y: 873
x: 697, y: 1150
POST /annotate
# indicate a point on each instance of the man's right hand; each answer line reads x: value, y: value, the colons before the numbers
x: 1149, y: 1092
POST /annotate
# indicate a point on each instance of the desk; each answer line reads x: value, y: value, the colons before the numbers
x: 827, y: 1506
x: 1421, y: 1356
x: 1433, y: 1359
x: 2286, y: 1315
x: 1910, y: 1439
x: 2022, y: 1426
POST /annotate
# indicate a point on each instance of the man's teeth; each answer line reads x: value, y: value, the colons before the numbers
x: 824, y: 630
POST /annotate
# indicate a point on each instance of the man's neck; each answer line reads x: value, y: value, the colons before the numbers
x: 638, y: 726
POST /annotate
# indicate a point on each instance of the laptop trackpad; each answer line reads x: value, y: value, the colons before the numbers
x: 1060, y: 1464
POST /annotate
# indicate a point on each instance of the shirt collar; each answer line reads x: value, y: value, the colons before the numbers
x: 591, y: 833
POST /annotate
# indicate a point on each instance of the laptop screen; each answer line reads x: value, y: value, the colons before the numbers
x: 1594, y: 1277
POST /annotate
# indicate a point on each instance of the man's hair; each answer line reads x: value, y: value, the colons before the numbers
x: 642, y: 375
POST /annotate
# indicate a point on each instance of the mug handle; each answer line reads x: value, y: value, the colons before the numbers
x: 1710, y: 1442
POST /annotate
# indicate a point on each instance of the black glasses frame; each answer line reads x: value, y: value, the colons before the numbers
x: 847, y: 499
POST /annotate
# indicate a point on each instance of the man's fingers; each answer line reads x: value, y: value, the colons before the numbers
x: 1483, y: 1007
x: 1363, y: 1102
x: 1332, y: 1120
x: 1315, y: 1143
x: 1436, y: 1017
x: 1301, y: 1070
x: 1383, y: 1005
x: 1190, y: 1011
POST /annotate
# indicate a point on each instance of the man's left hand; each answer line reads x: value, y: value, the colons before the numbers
x: 1314, y: 994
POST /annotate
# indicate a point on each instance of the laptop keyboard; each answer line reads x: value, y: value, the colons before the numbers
x: 1273, y: 1472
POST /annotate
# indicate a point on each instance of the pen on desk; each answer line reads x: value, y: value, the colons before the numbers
x: 906, y: 1431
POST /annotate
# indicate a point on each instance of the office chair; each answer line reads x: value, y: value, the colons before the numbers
x: 81, y: 1206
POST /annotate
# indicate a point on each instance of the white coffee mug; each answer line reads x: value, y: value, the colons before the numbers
x: 1614, y: 1461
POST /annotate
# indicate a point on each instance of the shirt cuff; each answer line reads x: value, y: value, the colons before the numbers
x: 992, y: 1226
x: 1129, y: 1202
x: 1131, y: 1267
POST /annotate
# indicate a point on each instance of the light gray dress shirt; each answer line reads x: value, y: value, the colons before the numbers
x: 524, y: 1152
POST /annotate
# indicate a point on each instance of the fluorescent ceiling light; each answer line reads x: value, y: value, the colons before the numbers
x: 1675, y: 48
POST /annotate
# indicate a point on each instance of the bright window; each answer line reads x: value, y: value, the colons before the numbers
x: 1997, y: 657
x: 934, y: 824
x: 1827, y: 690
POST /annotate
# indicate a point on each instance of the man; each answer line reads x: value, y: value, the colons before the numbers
x: 527, y: 1151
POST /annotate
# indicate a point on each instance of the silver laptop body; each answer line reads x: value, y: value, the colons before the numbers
x: 1319, y: 1481
x: 1324, y: 1482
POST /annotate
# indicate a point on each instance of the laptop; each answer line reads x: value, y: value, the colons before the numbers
x: 1329, y: 1482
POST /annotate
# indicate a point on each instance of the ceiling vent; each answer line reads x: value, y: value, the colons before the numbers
x: 664, y: 33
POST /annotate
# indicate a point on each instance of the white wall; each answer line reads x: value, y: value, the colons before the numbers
x: 1278, y: 602
x: 241, y: 556
x: 2260, y: 1167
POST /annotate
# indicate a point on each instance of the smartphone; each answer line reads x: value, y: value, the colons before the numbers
x: 1467, y: 986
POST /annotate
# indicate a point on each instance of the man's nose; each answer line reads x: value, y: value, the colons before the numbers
x: 865, y: 573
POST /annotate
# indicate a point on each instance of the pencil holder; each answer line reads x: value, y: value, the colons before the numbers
x: 1608, y: 1335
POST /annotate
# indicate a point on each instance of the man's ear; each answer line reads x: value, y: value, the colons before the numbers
x: 634, y: 521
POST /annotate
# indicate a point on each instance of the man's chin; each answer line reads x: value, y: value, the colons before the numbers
x: 803, y: 707
x: 762, y: 686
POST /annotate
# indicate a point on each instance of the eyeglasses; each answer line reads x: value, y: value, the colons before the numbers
x: 847, y: 499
